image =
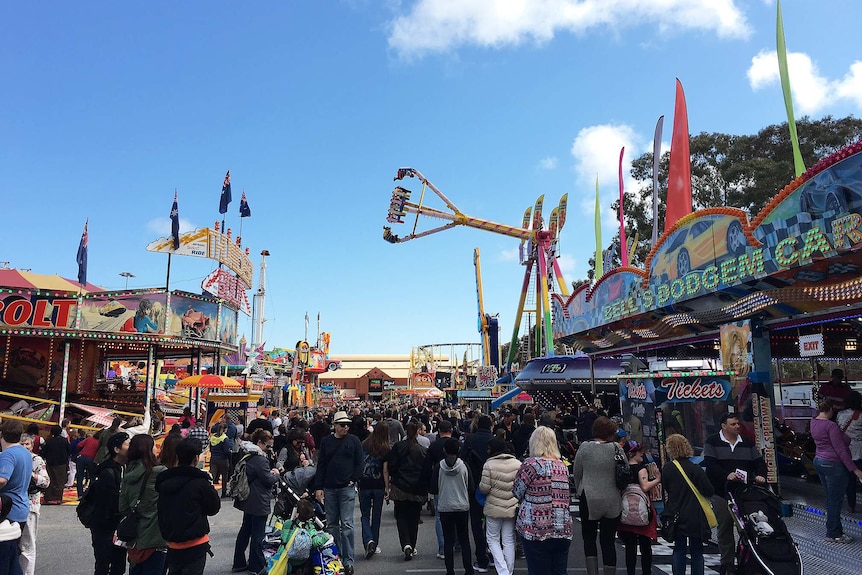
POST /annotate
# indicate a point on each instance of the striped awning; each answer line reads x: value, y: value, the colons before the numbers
x: 27, y: 280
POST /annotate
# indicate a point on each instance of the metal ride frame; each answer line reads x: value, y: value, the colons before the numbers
x: 538, y: 247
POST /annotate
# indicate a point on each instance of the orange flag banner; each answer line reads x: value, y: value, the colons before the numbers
x: 679, y: 170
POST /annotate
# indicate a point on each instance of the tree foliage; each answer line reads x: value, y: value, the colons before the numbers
x: 728, y: 170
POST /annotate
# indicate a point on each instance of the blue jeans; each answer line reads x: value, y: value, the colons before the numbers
x: 834, y: 477
x: 548, y: 557
x: 250, y: 535
x: 371, y: 508
x: 681, y: 545
x: 340, y: 504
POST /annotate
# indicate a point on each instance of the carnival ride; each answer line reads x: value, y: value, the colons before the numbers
x: 538, y: 251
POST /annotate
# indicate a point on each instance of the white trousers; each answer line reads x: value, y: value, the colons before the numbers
x: 501, y: 542
x: 27, y: 545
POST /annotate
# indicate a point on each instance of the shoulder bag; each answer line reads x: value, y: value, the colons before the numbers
x: 623, y: 474
x: 127, y: 529
x: 704, y: 502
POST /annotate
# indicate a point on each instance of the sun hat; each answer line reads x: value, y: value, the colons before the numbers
x: 341, y: 417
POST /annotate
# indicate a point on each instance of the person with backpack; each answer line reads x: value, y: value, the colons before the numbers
x: 186, y: 499
x: 474, y: 453
x: 631, y: 530
x: 138, y: 491
x: 102, y: 501
x: 451, y: 483
x: 256, y: 506
x: 501, y: 506
x: 372, y: 487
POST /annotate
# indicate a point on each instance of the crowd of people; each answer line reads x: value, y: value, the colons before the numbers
x: 499, y: 485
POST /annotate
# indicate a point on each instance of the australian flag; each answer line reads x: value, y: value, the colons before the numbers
x: 225, y: 200
x: 82, y: 257
x: 244, y: 210
x: 175, y: 223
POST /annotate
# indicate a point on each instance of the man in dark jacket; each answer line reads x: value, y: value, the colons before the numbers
x: 521, y: 436
x: 729, y: 457
x: 56, y: 454
x: 186, y: 498
x: 105, y: 491
x: 340, y: 465
x: 474, y: 453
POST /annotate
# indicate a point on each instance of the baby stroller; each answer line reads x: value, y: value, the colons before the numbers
x: 765, y: 545
x: 300, y: 546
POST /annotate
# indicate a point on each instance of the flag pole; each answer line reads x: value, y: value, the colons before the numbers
x: 168, y: 279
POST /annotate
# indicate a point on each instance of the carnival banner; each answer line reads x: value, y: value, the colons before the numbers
x: 192, y: 317
x: 134, y: 313
x: 31, y: 310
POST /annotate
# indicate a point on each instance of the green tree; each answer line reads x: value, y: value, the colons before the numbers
x: 729, y: 170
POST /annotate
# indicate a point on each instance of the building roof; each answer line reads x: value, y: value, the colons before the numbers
x: 357, y: 372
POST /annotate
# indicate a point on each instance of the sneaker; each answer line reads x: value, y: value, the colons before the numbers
x: 348, y: 570
x: 441, y: 556
x: 408, y: 552
x: 415, y: 552
x: 479, y: 569
x: 370, y: 549
x: 377, y: 551
x: 840, y: 539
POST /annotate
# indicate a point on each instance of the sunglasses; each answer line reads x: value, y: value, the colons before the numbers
x: 342, y: 424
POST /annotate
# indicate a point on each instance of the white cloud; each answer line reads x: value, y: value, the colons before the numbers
x: 811, y: 91
x: 512, y: 255
x: 443, y: 25
x: 162, y: 226
x: 548, y: 163
x: 567, y: 265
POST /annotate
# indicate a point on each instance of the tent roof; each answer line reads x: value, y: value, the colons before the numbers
x: 27, y: 280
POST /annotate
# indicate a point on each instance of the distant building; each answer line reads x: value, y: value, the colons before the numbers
x: 367, y: 377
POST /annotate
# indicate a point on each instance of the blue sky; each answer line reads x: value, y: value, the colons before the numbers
x: 108, y: 107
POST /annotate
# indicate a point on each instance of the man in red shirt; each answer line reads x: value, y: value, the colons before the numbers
x: 86, y: 467
x: 836, y: 389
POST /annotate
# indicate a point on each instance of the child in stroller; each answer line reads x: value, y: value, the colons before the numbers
x: 765, y: 545
x: 302, y: 546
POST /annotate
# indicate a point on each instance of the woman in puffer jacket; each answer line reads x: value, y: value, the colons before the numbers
x: 501, y: 506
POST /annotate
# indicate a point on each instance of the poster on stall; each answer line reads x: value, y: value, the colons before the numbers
x: 193, y: 318
x: 227, y: 325
x: 132, y: 313
x: 638, y: 400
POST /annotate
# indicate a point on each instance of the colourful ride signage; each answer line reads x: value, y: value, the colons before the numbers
x: 808, y: 236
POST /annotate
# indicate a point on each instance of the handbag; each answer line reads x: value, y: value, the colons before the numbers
x: 623, y: 474
x: 667, y: 529
x: 127, y: 529
x: 481, y: 498
x: 705, y: 503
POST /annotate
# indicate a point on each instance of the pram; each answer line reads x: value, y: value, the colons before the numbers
x: 292, y: 518
x: 765, y: 545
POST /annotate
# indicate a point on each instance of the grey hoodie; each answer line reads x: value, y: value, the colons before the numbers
x: 453, y: 483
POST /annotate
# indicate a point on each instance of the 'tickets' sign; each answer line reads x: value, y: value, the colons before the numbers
x: 811, y: 345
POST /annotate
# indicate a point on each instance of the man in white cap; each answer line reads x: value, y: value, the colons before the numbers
x: 339, y: 468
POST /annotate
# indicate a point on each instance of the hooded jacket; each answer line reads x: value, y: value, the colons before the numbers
x: 452, y: 484
x: 498, y: 478
x: 186, y: 498
x: 106, y: 494
x: 260, y: 482
x: 221, y: 446
x: 149, y: 535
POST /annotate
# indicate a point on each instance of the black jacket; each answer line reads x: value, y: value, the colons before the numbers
x: 105, y: 493
x: 56, y: 451
x: 681, y: 499
x: 260, y: 483
x: 521, y: 440
x: 186, y: 498
x: 340, y: 462
x: 408, y: 467
x: 720, y: 461
x: 478, y: 442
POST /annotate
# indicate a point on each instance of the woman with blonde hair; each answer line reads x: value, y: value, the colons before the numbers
x: 594, y: 474
x: 691, y: 527
x: 544, y: 520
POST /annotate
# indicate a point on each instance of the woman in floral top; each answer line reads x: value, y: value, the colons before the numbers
x: 40, y: 481
x: 544, y: 520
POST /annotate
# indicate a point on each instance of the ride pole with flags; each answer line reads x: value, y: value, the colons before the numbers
x: 225, y: 199
x: 175, y: 235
